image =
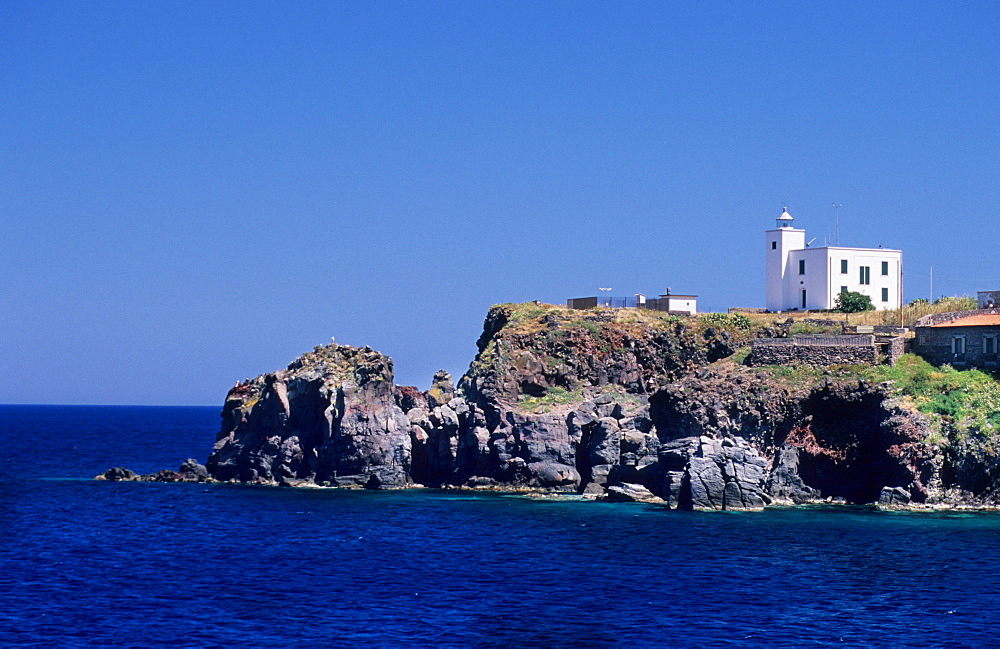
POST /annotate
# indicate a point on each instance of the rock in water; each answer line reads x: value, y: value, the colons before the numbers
x: 118, y: 474
x: 631, y: 493
x: 330, y: 418
x: 894, y: 496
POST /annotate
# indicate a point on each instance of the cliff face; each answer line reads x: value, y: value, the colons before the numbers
x: 330, y: 418
x: 612, y: 404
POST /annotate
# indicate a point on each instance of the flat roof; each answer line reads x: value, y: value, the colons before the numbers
x: 846, y: 248
x: 980, y: 320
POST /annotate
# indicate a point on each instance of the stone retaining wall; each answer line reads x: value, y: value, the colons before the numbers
x: 893, y: 349
x: 818, y: 340
x: 815, y: 355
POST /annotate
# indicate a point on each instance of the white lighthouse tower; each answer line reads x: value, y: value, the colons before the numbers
x: 780, y: 241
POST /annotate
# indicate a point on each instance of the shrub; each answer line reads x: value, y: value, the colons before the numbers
x: 741, y: 322
x: 716, y: 319
x: 854, y: 302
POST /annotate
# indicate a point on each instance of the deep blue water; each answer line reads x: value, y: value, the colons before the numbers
x: 86, y: 563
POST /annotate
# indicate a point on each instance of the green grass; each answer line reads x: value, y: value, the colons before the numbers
x: 962, y: 403
x: 810, y: 328
x: 963, y: 406
x: 556, y: 397
x: 795, y: 374
x: 741, y: 355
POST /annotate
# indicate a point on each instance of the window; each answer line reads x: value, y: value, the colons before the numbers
x: 843, y: 266
x: 885, y: 268
x: 803, y: 298
x: 843, y: 289
x: 774, y: 245
x: 885, y: 295
x: 990, y: 344
x: 802, y: 267
x: 958, y: 345
x: 866, y: 275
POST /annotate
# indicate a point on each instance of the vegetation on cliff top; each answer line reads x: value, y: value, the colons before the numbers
x: 558, y: 399
x: 533, y: 317
x: 963, y: 404
x: 337, y: 364
x: 542, y: 355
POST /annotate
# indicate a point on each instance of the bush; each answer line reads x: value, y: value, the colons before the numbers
x: 854, y: 302
x: 716, y: 319
x: 741, y: 322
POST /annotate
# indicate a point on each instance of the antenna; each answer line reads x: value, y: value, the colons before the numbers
x: 606, y: 294
x: 810, y: 242
x: 836, y: 207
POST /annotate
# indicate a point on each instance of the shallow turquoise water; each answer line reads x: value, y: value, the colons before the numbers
x: 85, y: 563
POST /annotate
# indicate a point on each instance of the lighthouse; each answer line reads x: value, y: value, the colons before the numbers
x: 800, y: 277
x: 780, y: 241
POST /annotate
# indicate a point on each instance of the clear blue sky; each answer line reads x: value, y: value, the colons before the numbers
x: 192, y: 193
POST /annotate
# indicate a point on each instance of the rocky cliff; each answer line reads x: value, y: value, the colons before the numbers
x: 617, y: 404
x: 330, y: 418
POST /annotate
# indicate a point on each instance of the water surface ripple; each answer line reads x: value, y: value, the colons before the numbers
x: 84, y: 563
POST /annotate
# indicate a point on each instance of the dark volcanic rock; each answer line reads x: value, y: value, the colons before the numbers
x: 785, y: 484
x: 118, y: 474
x: 631, y: 493
x: 442, y: 390
x: 894, y: 496
x: 190, y: 471
x: 193, y: 470
x: 331, y: 418
x: 617, y: 405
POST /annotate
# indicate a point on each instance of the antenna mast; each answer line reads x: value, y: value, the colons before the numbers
x: 836, y: 238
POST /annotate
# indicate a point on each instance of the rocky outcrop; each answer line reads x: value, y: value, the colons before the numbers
x: 843, y: 440
x: 189, y: 471
x: 616, y: 405
x: 630, y: 493
x: 330, y: 418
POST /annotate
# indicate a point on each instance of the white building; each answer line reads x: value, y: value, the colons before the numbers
x: 800, y: 277
x: 679, y: 303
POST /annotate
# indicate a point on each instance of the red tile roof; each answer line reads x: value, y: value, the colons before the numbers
x: 983, y: 320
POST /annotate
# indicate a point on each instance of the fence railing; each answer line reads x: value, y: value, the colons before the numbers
x: 651, y: 303
x: 619, y: 302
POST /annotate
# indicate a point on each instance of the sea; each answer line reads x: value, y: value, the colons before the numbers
x: 85, y: 563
